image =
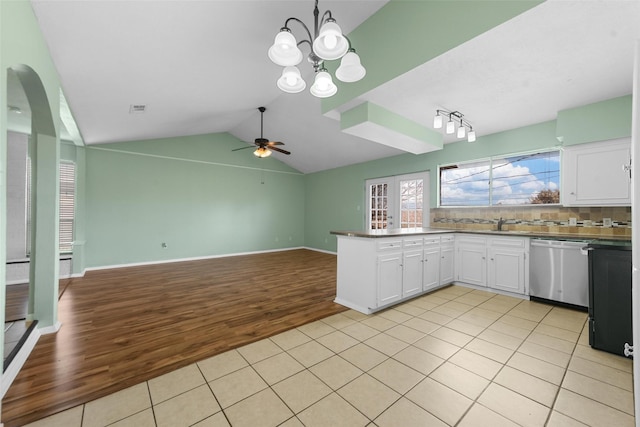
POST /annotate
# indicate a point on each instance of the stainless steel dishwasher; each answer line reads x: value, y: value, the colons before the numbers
x: 559, y: 271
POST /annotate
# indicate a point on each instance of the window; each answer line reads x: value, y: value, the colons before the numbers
x: 397, y: 197
x: 379, y: 205
x: 519, y: 179
x: 67, y: 205
x: 411, y: 202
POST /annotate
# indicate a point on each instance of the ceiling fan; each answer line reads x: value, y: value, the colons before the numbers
x: 264, y: 145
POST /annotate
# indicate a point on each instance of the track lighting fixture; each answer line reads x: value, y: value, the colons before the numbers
x: 454, y: 118
x: 328, y: 43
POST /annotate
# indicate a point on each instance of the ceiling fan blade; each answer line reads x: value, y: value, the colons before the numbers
x: 242, y: 148
x: 279, y: 150
x: 272, y: 143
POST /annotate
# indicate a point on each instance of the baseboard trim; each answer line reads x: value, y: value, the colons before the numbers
x: 18, y: 361
x: 50, y: 329
x: 320, y: 250
x: 167, y: 261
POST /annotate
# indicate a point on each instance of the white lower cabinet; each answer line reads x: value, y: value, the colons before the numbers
x: 507, y: 267
x: 389, y: 280
x: 447, y: 259
x: 499, y: 263
x: 411, y: 273
x: 431, y: 264
x: 374, y: 273
x: 472, y: 259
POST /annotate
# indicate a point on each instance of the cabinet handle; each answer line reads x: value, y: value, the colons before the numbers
x: 573, y: 193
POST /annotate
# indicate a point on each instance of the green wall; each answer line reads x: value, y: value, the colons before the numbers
x: 335, y: 198
x: 426, y: 28
x: 192, y: 193
x: 23, y: 49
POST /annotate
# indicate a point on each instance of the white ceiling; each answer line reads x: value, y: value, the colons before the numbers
x: 201, y: 67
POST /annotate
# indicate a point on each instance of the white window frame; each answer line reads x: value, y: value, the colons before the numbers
x: 490, y: 161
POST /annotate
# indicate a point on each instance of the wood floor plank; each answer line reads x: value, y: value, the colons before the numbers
x: 124, y: 326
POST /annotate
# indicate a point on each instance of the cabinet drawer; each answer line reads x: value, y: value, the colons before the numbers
x: 412, y: 242
x: 509, y: 242
x: 465, y: 239
x: 447, y: 239
x: 432, y: 241
x: 385, y: 245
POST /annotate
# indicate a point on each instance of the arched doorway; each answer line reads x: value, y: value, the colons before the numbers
x: 33, y: 137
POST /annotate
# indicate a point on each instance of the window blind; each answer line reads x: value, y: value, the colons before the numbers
x: 67, y: 205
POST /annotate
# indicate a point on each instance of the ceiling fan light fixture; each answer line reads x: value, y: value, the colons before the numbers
x: 291, y: 81
x: 330, y: 43
x: 262, y: 152
x: 285, y: 51
x: 350, y: 69
x: 323, y: 86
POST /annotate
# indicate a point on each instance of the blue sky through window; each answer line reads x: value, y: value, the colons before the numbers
x: 509, y: 180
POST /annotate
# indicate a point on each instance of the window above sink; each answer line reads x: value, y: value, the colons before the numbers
x: 531, y: 178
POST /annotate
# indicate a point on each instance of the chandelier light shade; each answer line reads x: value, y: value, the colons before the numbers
x: 291, y: 81
x: 331, y: 43
x: 328, y: 43
x: 285, y: 51
x: 323, y: 86
x: 455, y: 118
x: 350, y: 69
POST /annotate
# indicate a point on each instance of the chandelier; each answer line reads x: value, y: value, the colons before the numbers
x: 455, y: 119
x: 327, y: 44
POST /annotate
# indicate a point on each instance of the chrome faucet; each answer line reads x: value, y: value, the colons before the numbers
x: 500, y: 223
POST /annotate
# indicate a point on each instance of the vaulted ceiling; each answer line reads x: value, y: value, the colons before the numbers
x: 201, y: 67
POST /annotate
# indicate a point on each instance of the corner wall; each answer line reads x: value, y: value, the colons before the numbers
x: 192, y: 194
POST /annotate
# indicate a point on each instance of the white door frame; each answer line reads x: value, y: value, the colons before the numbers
x: 393, y: 208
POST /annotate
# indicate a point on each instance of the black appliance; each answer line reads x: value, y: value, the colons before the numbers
x: 610, y: 315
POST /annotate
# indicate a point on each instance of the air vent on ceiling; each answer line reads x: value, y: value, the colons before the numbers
x: 137, y: 108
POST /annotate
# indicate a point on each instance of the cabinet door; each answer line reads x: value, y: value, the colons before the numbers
x: 472, y: 264
x: 447, y: 256
x: 411, y: 272
x: 597, y: 174
x: 389, y: 278
x: 506, y: 270
x: 431, y: 269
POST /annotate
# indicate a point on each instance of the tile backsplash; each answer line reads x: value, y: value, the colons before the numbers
x: 546, y: 219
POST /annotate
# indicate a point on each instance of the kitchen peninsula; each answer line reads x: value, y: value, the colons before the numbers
x: 379, y: 268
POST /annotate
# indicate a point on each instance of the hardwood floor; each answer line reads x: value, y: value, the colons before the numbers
x: 124, y: 326
x: 17, y: 299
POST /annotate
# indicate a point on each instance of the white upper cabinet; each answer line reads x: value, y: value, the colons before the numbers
x: 597, y: 174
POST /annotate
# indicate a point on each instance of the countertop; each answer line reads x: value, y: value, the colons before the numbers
x: 402, y: 232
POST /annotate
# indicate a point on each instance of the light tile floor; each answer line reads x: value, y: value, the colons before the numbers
x: 456, y: 357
